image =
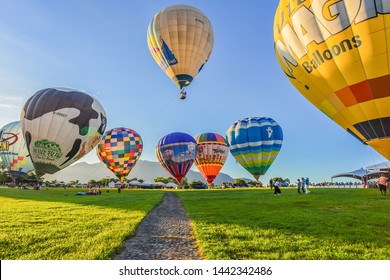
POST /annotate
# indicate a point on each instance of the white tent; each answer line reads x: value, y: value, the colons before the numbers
x: 359, y: 174
x: 147, y: 185
x: 160, y: 184
x: 384, y: 166
x: 171, y: 185
x: 135, y: 183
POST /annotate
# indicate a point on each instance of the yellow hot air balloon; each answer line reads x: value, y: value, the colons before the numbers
x: 180, y: 39
x: 336, y: 53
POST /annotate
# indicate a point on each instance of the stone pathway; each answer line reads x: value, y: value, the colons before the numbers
x: 164, y: 234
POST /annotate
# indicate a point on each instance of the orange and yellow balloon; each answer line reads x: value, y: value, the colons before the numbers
x: 211, y: 156
x: 337, y: 54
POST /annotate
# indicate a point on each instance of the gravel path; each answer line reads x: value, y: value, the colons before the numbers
x: 164, y: 234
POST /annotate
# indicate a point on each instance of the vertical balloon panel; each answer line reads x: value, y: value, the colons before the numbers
x: 336, y: 53
x: 60, y: 126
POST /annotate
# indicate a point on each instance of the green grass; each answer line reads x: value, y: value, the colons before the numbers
x: 55, y: 224
x: 244, y: 224
x: 325, y: 224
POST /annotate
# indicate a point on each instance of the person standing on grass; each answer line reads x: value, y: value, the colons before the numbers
x: 307, y: 185
x: 383, y: 180
x: 299, y: 186
x: 303, y: 184
x: 276, y: 187
x: 271, y: 183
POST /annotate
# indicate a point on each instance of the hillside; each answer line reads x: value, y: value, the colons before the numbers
x: 146, y: 170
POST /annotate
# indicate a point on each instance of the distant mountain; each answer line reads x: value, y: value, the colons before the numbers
x: 146, y: 170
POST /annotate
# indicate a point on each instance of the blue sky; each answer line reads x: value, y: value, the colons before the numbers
x: 100, y: 47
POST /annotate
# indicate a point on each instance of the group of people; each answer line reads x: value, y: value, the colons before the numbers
x: 93, y: 192
x: 303, y: 184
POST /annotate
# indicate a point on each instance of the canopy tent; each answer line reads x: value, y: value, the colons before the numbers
x: 171, y: 185
x: 360, y: 174
x: 384, y: 166
x: 160, y: 184
x: 135, y: 183
x: 147, y: 185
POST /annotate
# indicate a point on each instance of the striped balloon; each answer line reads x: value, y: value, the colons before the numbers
x: 255, y: 143
x: 16, y: 159
x: 119, y: 149
x: 212, y: 154
x: 176, y: 152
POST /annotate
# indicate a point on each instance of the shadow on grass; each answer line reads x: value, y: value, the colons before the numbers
x: 126, y: 199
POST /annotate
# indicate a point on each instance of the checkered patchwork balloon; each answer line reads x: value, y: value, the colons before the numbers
x: 119, y: 149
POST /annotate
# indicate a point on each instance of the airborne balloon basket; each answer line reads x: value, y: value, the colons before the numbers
x: 183, y: 94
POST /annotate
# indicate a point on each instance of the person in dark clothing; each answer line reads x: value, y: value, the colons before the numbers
x: 277, y: 189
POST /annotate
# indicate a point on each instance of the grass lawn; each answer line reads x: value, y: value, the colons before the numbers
x: 243, y: 224
x: 325, y: 224
x: 55, y: 224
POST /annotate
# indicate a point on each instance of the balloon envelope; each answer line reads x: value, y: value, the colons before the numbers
x: 211, y: 156
x: 119, y: 149
x: 176, y: 152
x: 16, y: 159
x: 337, y: 54
x: 255, y: 143
x: 180, y: 39
x: 60, y: 126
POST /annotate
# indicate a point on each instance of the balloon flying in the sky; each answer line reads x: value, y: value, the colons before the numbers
x: 180, y: 39
x: 60, y: 126
x: 255, y: 143
x: 337, y: 54
x: 119, y: 149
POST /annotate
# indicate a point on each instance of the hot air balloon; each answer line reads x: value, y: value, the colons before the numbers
x: 180, y: 39
x: 16, y: 157
x: 212, y: 154
x: 176, y: 152
x: 336, y: 53
x: 119, y: 149
x: 60, y: 126
x: 255, y: 143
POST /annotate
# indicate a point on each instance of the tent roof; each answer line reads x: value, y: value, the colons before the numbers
x: 381, y: 166
x: 147, y: 183
x: 358, y: 174
x: 135, y: 182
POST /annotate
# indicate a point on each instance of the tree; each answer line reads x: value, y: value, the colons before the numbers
x: 184, y: 182
x: 282, y: 181
x: 240, y: 182
x: 161, y: 179
x: 255, y: 183
x: 195, y: 183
